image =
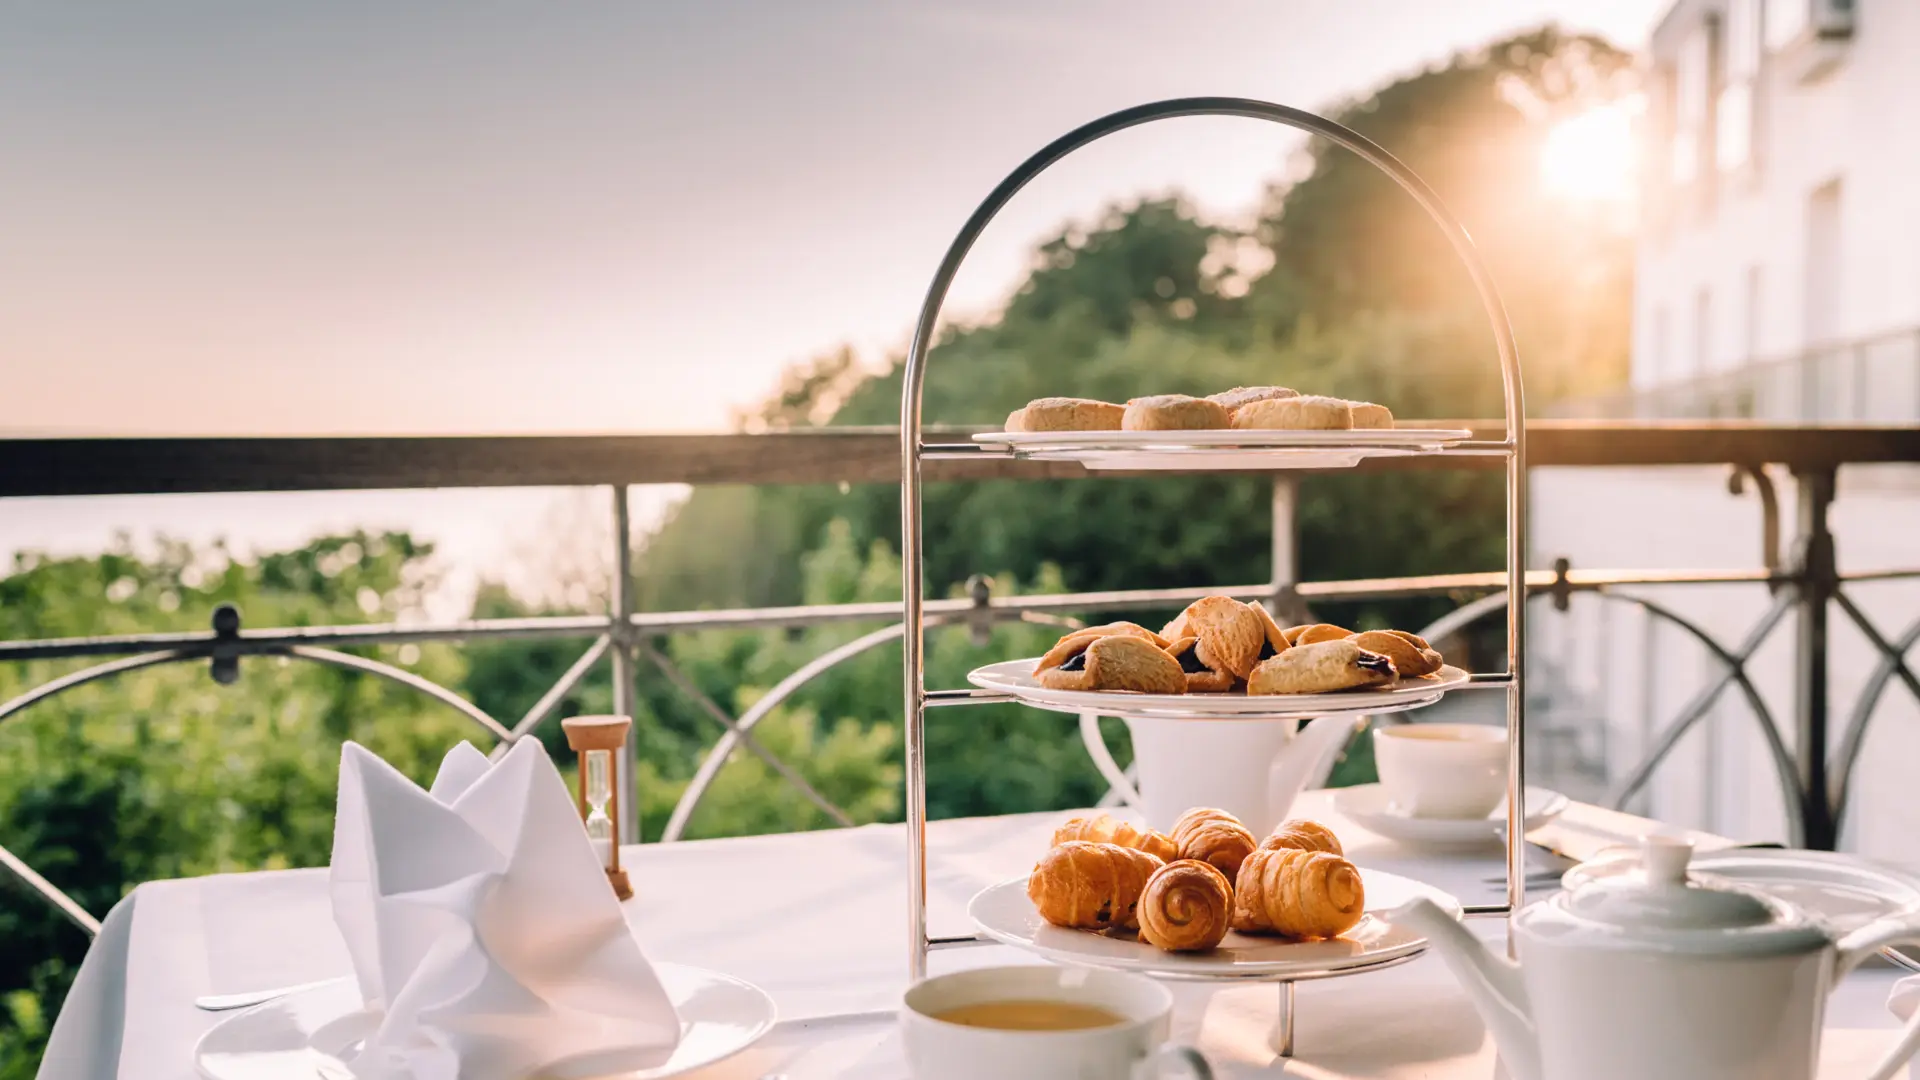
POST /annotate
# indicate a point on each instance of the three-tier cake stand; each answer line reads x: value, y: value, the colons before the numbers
x: 1200, y: 451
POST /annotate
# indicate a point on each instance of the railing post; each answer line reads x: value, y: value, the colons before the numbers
x: 1817, y: 580
x: 621, y: 633
x: 1285, y: 601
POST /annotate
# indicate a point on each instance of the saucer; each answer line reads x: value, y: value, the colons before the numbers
x: 305, y: 1036
x: 1368, y: 806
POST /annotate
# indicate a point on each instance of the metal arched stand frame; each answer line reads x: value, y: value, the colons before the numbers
x: 18, y: 867
x: 913, y: 451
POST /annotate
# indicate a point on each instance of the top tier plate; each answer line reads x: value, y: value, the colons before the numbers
x: 1223, y: 448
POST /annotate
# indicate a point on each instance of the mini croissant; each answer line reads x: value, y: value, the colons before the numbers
x: 1213, y: 836
x: 1186, y: 907
x: 1107, y: 829
x: 1090, y: 886
x: 1305, y: 835
x: 1301, y: 894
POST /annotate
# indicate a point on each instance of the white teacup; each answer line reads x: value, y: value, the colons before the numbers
x: 1442, y: 770
x: 1129, y: 1045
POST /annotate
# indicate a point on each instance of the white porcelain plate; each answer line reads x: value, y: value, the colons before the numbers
x: 1016, y: 677
x: 1004, y: 913
x: 1844, y: 891
x: 304, y: 1036
x: 1222, y: 448
x: 1368, y: 806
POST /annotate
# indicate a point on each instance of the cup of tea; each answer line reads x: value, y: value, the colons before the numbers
x: 1043, y: 1023
x: 1442, y: 770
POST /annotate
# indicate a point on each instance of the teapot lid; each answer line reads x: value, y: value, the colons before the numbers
x: 1661, y: 906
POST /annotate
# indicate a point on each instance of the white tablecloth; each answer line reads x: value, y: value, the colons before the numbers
x: 818, y: 920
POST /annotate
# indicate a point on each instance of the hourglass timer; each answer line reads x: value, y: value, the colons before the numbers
x: 597, y: 739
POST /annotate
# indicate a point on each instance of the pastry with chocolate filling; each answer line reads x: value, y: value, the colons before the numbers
x: 1295, y: 414
x: 1320, y: 669
x: 1066, y: 414
x: 1409, y: 660
x: 1117, y: 662
x: 1201, y: 678
x: 1173, y: 412
x: 1074, y: 643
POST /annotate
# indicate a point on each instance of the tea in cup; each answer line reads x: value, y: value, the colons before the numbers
x: 1042, y: 1023
x: 1442, y: 770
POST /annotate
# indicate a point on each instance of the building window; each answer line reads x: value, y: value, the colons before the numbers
x: 1734, y: 112
x: 1750, y: 332
x: 1702, y: 333
x: 1692, y: 106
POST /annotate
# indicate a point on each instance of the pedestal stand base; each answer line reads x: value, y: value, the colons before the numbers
x: 1280, y: 1039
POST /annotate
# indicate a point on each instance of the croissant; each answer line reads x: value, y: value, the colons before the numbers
x: 1305, y: 835
x: 1301, y: 894
x: 1090, y: 886
x: 1186, y: 907
x: 1213, y: 836
x: 1106, y: 829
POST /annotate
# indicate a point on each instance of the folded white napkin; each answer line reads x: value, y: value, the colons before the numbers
x: 482, y: 928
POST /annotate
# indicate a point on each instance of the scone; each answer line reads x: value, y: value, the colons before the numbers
x: 1246, y: 395
x: 1320, y: 669
x: 1066, y: 414
x: 1202, y: 677
x: 1295, y: 414
x: 1368, y: 415
x: 1173, y: 412
x: 1314, y: 633
x: 1074, y: 643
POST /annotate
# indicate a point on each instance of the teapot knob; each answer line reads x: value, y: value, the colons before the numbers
x: 1665, y: 859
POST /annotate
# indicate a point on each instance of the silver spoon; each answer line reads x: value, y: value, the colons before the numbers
x: 225, y: 1002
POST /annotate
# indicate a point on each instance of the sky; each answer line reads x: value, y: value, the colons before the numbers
x: 355, y: 216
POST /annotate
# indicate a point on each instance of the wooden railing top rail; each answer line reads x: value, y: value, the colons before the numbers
x: 144, y: 466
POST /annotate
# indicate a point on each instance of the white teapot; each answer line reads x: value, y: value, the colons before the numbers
x: 1654, y: 975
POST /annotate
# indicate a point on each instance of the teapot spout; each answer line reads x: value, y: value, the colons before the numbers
x: 1492, y: 983
x: 1307, y: 757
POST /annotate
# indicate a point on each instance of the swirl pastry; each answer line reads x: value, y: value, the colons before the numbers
x: 1117, y: 662
x: 1066, y: 414
x: 1315, y: 633
x: 1295, y: 414
x: 1302, y: 894
x: 1187, y: 906
x: 1075, y: 643
x: 1213, y: 836
x: 1107, y: 829
x: 1303, y: 834
x: 1368, y: 415
x: 1173, y: 412
x: 1320, y: 669
x: 1409, y: 660
x: 1090, y: 886
x: 1247, y: 395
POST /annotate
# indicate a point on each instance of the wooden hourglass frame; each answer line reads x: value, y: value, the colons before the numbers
x: 597, y: 739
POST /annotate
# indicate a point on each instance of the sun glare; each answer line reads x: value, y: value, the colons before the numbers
x: 1590, y: 157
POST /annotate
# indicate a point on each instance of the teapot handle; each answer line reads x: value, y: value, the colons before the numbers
x: 1110, y: 769
x: 1858, y: 947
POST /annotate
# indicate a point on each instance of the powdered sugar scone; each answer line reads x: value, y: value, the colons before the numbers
x: 1246, y: 395
x: 1066, y: 414
x: 1368, y: 415
x: 1173, y: 412
x: 1303, y: 413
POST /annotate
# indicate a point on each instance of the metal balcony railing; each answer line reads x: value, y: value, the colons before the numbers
x: 1804, y: 585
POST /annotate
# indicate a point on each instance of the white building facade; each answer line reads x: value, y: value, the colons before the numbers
x: 1777, y: 278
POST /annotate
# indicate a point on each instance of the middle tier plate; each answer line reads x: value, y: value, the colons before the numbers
x: 1016, y: 677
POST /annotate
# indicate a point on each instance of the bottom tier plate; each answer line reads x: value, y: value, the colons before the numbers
x: 1003, y: 913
